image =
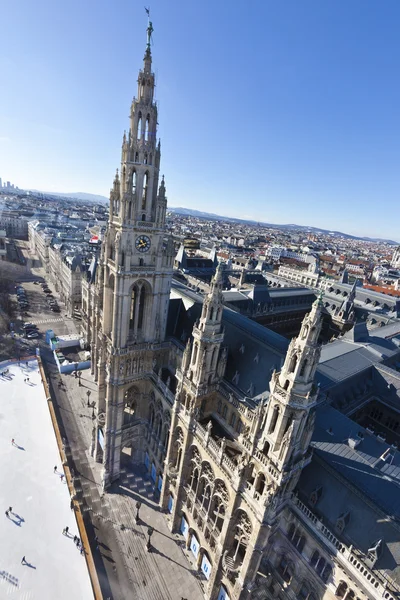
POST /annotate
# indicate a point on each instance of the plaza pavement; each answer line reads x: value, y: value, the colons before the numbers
x: 166, y: 573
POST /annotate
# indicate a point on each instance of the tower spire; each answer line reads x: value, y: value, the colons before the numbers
x: 147, y: 54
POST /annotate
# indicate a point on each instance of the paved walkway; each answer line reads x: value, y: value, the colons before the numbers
x: 165, y: 573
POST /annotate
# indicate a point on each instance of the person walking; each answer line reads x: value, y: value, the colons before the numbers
x: 55, y: 469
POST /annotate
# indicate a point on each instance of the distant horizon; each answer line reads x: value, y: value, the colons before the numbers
x: 255, y: 220
x: 272, y: 112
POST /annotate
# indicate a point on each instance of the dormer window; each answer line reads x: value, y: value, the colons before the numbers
x: 375, y: 552
x: 342, y: 521
x: 315, y: 496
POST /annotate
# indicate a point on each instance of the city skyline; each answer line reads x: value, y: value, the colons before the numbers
x: 314, y: 147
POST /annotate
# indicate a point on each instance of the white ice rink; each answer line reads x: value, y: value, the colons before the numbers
x: 39, y: 499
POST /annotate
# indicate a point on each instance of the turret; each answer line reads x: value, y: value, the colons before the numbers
x: 293, y: 394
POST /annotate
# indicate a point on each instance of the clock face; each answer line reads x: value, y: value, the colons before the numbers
x: 143, y: 243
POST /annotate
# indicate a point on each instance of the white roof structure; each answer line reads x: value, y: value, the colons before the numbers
x: 39, y: 499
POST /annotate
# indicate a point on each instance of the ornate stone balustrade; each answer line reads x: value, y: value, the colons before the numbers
x: 346, y: 555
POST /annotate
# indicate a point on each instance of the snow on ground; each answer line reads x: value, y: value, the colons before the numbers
x: 39, y: 499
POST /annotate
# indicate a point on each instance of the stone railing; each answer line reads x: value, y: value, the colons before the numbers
x: 351, y: 559
x: 215, y: 450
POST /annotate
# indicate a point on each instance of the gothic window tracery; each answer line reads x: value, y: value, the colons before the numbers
x: 286, y: 569
x: 274, y: 419
x: 303, y: 367
x: 296, y: 537
x: 305, y: 592
x: 139, y: 127
x: 144, y: 192
x: 133, y: 185
x: 321, y: 566
x: 242, y: 534
x: 293, y: 363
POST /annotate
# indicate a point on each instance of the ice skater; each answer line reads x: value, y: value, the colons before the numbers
x: 55, y: 469
x: 61, y: 478
x: 23, y: 561
x: 10, y: 509
x: 75, y: 538
x: 7, y: 515
x: 12, y: 442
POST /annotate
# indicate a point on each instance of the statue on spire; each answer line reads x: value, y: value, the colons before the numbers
x: 149, y: 28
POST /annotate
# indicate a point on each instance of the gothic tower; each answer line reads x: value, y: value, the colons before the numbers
x: 201, y: 369
x: 288, y: 422
x: 134, y: 276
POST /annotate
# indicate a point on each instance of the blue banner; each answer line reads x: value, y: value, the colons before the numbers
x: 184, y: 528
x: 206, y: 567
x: 223, y: 594
x: 194, y: 546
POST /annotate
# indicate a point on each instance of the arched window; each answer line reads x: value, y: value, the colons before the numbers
x: 145, y: 159
x: 293, y: 363
x: 286, y: 386
x: 214, y: 355
x: 224, y: 411
x: 144, y: 192
x: 274, y: 419
x: 285, y: 569
x: 217, y: 513
x: 133, y: 182
x: 138, y: 307
x: 341, y: 590
x: 260, y: 485
x: 305, y: 593
x: 233, y: 419
x: 303, y: 368
x: 219, y: 407
x: 139, y: 127
x: 195, y: 351
x: 178, y: 458
x: 146, y: 128
x: 136, y: 157
x: 194, y: 479
x: 143, y: 217
x: 142, y: 301
x: 320, y: 565
x: 150, y: 159
x: 239, y: 426
x: 296, y: 537
x: 151, y: 417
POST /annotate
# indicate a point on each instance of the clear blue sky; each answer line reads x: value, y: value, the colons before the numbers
x: 284, y: 111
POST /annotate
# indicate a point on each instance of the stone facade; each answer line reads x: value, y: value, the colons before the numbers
x: 227, y: 464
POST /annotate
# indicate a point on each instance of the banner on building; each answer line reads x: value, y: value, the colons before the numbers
x: 223, y: 594
x: 194, y: 546
x: 159, y: 484
x: 153, y: 472
x: 206, y: 567
x: 147, y: 460
x: 184, y: 528
x: 170, y: 503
